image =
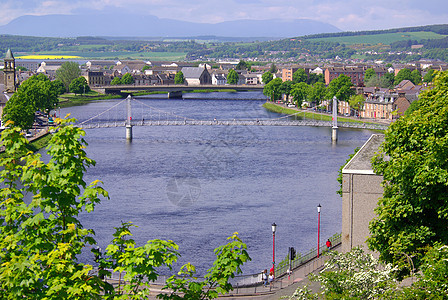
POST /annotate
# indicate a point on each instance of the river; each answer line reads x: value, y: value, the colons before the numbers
x: 196, y: 185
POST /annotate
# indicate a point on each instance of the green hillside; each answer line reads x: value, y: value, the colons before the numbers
x: 385, y: 38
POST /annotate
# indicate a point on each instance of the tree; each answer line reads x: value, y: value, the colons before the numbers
x: 299, y: 76
x: 146, y: 67
x: 232, y: 77
x: 317, y: 92
x: 403, y: 74
x: 416, y: 77
x: 356, y: 102
x: 36, y: 93
x: 58, y: 86
x: 242, y: 65
x: 387, y: 80
x: 267, y: 77
x: 67, y: 72
x: 273, y: 68
x: 413, y: 161
x: 299, y: 92
x: 19, y: 110
x: 429, y: 76
x: 272, y: 89
x: 116, y: 81
x: 341, y: 88
x: 369, y: 74
x: 127, y: 79
x: 79, y: 86
x: 314, y: 78
x: 41, y: 237
x: 285, y: 88
x: 179, y: 78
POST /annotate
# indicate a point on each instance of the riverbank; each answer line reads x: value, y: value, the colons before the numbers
x: 278, y: 108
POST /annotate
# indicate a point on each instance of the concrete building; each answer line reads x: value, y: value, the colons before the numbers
x: 361, y: 189
x: 355, y: 73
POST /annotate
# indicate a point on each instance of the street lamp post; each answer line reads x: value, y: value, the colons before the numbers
x: 274, y: 226
x: 318, y: 229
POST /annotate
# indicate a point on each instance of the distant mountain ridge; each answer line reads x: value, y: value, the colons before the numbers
x: 119, y: 25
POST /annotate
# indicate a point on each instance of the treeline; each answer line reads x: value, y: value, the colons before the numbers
x: 30, y: 43
x: 439, y: 29
x: 428, y: 44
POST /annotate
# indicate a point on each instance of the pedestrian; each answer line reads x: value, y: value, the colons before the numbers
x: 328, y: 243
x: 271, y: 278
x: 264, y: 277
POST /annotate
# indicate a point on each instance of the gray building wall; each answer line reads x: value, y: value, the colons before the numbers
x: 361, y: 189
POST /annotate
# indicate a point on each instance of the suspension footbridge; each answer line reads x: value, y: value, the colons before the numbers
x: 133, y: 112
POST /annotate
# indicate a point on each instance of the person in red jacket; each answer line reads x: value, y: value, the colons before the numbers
x: 328, y: 243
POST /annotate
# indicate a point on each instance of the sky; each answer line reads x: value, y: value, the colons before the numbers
x: 347, y: 15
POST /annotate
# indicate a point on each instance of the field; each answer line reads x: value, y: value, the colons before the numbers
x: 104, y: 55
x: 386, y: 38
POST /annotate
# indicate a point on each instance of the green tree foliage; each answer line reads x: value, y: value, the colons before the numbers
x: 242, y: 65
x: 41, y: 238
x: 272, y: 89
x: 146, y: 67
x: 429, y: 76
x: 67, y: 72
x: 179, y: 78
x: 317, y: 92
x: 232, y: 77
x: 127, y: 79
x: 300, y: 92
x: 58, y: 86
x: 403, y: 74
x: 370, y: 73
x: 286, y: 87
x: 267, y: 77
x: 413, y: 211
x: 299, y: 76
x: 314, y: 78
x: 356, y: 102
x: 416, y: 77
x: 79, y: 85
x: 341, y: 88
x: 387, y: 80
x: 36, y: 93
x: 273, y: 68
x: 116, y: 81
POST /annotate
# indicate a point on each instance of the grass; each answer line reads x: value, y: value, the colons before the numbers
x: 305, y: 114
x: 68, y: 100
x: 386, y: 38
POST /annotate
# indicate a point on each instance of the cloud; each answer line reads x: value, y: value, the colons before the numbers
x: 345, y: 14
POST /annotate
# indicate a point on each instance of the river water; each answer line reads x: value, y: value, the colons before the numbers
x: 196, y: 185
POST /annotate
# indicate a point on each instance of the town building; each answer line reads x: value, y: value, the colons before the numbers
x: 196, y: 76
x: 355, y: 73
x: 361, y: 189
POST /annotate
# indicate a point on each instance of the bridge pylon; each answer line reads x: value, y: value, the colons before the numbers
x: 334, y: 129
x: 129, y: 119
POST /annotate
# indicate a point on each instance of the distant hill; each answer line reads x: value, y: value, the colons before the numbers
x: 120, y: 25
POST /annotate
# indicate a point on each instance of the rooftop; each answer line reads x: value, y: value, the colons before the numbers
x: 361, y: 162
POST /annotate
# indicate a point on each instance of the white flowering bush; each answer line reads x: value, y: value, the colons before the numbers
x: 351, y: 275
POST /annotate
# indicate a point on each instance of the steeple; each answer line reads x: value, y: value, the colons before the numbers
x: 9, y: 71
x: 9, y: 55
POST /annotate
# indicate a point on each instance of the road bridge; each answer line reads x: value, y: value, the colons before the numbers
x: 174, y: 90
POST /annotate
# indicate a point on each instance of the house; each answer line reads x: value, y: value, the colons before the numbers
x: 95, y: 78
x: 196, y: 76
x: 251, y: 78
x: 361, y: 189
x: 49, y: 68
x: 219, y: 79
